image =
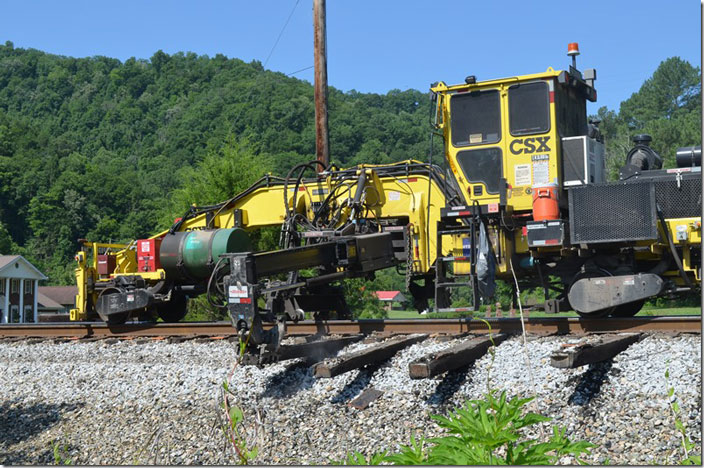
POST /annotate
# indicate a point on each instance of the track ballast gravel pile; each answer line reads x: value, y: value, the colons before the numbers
x: 157, y: 403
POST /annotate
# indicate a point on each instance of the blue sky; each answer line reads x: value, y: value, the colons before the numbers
x: 376, y: 46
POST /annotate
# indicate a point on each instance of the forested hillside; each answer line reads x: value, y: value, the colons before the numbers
x: 94, y: 147
x: 100, y: 149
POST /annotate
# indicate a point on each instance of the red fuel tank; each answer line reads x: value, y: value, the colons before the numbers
x: 545, y: 205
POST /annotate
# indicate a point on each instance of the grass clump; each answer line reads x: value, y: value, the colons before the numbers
x: 687, y: 444
x: 483, y: 432
x: 233, y: 423
x: 61, y: 454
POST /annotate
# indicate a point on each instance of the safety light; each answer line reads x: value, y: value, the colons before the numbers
x: 573, y: 51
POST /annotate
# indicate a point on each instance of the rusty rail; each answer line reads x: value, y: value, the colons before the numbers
x: 99, y: 329
x: 534, y: 326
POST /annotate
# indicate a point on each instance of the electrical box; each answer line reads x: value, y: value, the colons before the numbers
x: 148, y: 255
x: 106, y: 264
x: 545, y: 233
x: 582, y: 161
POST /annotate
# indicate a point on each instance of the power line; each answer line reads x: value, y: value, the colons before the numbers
x: 298, y: 71
x: 262, y: 71
x: 281, y: 33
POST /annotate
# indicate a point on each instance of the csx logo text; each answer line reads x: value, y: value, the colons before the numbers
x: 530, y: 145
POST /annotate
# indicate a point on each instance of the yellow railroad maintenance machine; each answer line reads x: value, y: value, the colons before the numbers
x: 525, y: 195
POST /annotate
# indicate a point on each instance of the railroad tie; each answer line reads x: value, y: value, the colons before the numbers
x: 35, y: 341
x: 90, y: 339
x: 312, y: 351
x: 181, y: 339
x: 376, y: 353
x: 452, y: 358
x: 601, y: 349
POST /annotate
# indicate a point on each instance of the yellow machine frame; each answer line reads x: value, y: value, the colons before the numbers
x: 417, y: 198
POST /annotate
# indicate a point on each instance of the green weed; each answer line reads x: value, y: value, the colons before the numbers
x: 483, y: 432
x: 233, y: 421
x: 687, y: 444
x: 61, y: 454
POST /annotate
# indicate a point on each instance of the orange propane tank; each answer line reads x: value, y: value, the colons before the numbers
x: 545, y: 205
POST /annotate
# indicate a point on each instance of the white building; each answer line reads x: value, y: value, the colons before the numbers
x: 19, y: 283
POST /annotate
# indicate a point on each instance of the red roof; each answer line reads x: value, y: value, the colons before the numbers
x: 387, y: 295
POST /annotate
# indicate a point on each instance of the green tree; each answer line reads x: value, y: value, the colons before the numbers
x: 667, y: 107
x: 675, y: 87
x: 361, y: 299
x: 6, y: 245
x: 221, y: 174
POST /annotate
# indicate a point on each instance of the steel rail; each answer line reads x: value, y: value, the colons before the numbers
x: 534, y: 326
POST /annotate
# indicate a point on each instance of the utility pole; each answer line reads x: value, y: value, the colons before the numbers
x: 322, y: 149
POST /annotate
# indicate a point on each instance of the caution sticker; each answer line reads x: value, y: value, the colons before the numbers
x: 521, y: 175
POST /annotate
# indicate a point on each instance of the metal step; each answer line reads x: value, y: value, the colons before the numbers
x: 459, y: 230
x: 455, y: 259
x: 452, y: 285
x: 457, y: 309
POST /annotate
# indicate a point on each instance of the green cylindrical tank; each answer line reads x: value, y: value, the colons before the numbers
x: 191, y: 255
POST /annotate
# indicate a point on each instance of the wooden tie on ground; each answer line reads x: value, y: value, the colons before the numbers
x: 313, y: 351
x: 365, y: 399
x: 453, y: 358
x: 377, y: 353
x: 589, y: 353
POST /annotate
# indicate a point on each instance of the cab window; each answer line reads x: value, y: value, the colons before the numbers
x: 570, y: 112
x: 482, y: 165
x: 475, y: 118
x: 529, y: 108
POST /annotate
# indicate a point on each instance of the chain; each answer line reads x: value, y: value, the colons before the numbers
x: 409, y: 255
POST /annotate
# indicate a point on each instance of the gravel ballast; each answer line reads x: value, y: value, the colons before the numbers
x: 157, y: 403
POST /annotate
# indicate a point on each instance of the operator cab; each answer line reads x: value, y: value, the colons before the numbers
x: 504, y: 137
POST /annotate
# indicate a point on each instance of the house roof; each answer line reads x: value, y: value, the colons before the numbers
x: 23, y: 269
x: 390, y: 296
x: 44, y: 302
x: 64, y: 295
x: 7, y: 259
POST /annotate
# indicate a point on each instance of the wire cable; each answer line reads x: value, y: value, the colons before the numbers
x: 281, y: 33
x: 261, y: 72
x: 298, y: 71
x: 525, y: 340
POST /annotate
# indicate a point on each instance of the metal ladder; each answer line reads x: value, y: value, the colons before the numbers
x: 443, y: 282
